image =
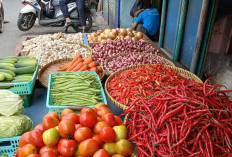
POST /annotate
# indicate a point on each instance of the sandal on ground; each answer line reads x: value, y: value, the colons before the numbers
x: 67, y: 24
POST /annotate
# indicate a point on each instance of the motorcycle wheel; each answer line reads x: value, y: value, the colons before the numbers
x: 1, y: 21
x: 26, y: 21
x: 89, y: 23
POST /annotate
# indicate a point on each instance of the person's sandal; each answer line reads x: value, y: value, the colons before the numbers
x: 67, y: 24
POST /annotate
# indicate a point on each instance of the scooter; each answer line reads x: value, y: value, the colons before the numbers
x: 49, y: 14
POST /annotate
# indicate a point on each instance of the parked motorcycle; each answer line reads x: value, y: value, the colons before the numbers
x: 49, y: 14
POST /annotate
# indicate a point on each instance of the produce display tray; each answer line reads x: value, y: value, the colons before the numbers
x: 8, y: 146
x: 19, y: 47
x: 58, y: 109
x: 50, y: 68
x: 24, y: 88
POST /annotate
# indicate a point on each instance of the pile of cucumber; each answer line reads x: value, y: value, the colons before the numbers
x: 17, y: 69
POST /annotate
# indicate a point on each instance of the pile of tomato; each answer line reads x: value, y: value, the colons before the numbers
x: 94, y: 132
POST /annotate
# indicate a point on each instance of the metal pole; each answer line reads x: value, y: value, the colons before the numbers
x: 209, y: 25
x: 118, y: 22
x: 200, y: 33
x: 163, y: 22
x: 180, y: 30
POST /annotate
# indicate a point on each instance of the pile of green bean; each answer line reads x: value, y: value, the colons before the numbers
x: 75, y: 89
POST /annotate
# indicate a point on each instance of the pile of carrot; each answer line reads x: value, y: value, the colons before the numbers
x: 82, y: 64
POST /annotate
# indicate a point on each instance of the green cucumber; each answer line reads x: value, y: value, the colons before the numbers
x: 22, y: 77
x: 7, y: 64
x: 20, y: 65
x: 31, y: 62
x: 8, y: 77
x: 2, y: 77
x: 7, y: 71
x: 25, y: 70
x: 21, y: 80
x: 7, y: 67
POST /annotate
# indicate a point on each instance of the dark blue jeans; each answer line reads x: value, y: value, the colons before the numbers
x: 80, y: 7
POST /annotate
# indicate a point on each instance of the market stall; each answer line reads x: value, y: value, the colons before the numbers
x: 81, y: 91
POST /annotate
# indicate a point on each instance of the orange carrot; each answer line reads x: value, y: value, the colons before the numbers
x: 99, y: 68
x: 100, y: 75
x: 93, y: 64
x: 84, y: 67
x: 64, y: 67
x: 78, y: 67
x: 94, y: 69
x: 78, y: 56
x: 75, y: 64
x: 88, y: 60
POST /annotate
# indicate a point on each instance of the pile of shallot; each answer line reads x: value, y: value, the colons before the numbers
x: 103, y: 51
x: 129, y: 59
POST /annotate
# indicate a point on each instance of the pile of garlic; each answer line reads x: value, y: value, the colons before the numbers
x: 51, y: 47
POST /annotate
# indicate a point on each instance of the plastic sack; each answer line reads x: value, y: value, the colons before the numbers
x: 215, y: 63
x: 10, y: 103
x: 14, y: 125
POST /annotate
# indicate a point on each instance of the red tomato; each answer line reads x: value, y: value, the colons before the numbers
x: 101, y: 153
x: 27, y: 150
x: 66, y: 128
x: 49, y: 122
x: 72, y: 116
x: 99, y: 105
x: 33, y: 155
x: 88, y: 118
x: 77, y: 126
x: 53, y: 114
x: 109, y: 118
x: 24, y: 139
x: 67, y: 147
x: 48, y: 148
x: 87, y: 109
x: 99, y: 141
x: 36, y: 138
x: 118, y: 120
x: 49, y: 153
x: 82, y: 134
x: 66, y: 111
x: 107, y: 134
x: 99, y: 126
x: 88, y: 147
x: 39, y: 126
x: 102, y: 111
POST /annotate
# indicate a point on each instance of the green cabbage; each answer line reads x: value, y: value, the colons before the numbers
x: 10, y: 103
x: 14, y: 125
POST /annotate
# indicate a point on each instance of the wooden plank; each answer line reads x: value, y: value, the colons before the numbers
x: 19, y: 46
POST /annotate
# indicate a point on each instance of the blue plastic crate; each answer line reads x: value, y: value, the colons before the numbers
x: 58, y: 109
x: 9, y: 145
x: 24, y: 88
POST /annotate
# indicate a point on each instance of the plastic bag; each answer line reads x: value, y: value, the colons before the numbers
x: 137, y: 6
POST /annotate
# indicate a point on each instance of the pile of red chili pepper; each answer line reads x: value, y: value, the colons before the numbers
x: 188, y: 119
x: 143, y: 81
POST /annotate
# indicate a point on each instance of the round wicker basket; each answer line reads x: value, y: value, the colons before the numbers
x: 182, y: 72
x: 52, y: 67
x: 108, y: 72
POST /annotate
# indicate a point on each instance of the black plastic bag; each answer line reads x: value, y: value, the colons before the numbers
x: 137, y: 6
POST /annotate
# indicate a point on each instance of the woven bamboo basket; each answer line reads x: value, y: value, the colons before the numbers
x: 182, y: 72
x: 108, y: 72
x: 52, y: 67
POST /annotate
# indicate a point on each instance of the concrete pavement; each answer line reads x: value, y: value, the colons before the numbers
x: 11, y: 35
